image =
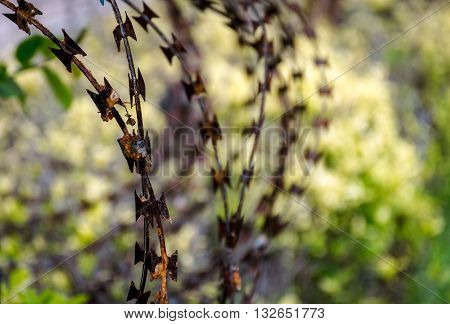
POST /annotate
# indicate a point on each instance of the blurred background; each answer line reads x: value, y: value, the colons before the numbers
x: 67, y: 229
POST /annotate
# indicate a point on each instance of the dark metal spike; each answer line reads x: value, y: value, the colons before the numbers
x: 24, y: 12
x: 29, y: 7
x: 11, y: 16
x: 202, y: 4
x: 215, y: 183
x: 297, y: 190
x: 139, y: 205
x: 141, y: 84
x: 141, y: 21
x: 168, y: 53
x: 100, y: 101
x: 96, y: 99
x: 247, y: 176
x: 133, y: 293
x: 64, y: 57
x: 273, y: 225
x: 189, y: 89
x: 148, y: 145
x: 149, y: 12
x: 117, y: 37
x: 163, y: 208
x: 129, y: 29
x: 143, y: 298
x: 73, y: 47
x: 152, y: 260
x: 177, y: 45
x: 138, y: 254
x: 107, y: 86
x: 22, y: 23
x: 236, y: 227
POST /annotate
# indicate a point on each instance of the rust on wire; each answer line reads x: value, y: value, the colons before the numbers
x: 128, y: 29
x: 209, y: 127
x: 249, y: 19
x: 22, y: 15
x: 135, y: 147
x: 67, y: 52
x: 137, y: 151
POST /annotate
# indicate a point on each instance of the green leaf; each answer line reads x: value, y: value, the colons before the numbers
x: 28, y: 48
x: 9, y: 88
x: 3, y: 71
x: 61, y: 91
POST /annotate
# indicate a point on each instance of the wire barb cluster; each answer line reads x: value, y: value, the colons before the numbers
x: 251, y: 21
x: 135, y: 147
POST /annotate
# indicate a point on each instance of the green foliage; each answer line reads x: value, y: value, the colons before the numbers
x: 62, y: 92
x: 375, y: 182
x: 8, y: 86
x: 26, y: 55
x: 18, y: 289
x: 29, y: 47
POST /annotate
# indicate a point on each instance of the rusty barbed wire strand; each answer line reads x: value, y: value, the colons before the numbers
x: 194, y: 88
x: 230, y: 231
x: 210, y: 125
x: 273, y: 224
x: 245, y: 181
x: 95, y: 241
x: 136, y: 148
x: 160, y: 267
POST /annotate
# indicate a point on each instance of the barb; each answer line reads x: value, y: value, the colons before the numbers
x: 102, y: 237
x: 121, y: 33
x: 137, y: 151
x: 136, y: 148
x: 24, y: 15
x: 210, y: 127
